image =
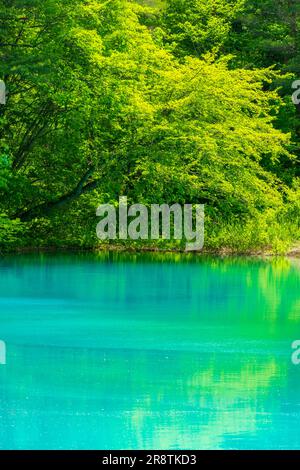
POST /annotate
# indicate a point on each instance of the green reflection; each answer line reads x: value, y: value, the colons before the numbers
x: 149, y: 351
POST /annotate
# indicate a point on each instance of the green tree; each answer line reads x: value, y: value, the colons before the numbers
x: 194, y: 27
x: 266, y: 33
x: 98, y: 108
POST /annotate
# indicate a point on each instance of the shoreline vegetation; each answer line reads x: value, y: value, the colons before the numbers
x: 293, y: 252
x: 166, y: 102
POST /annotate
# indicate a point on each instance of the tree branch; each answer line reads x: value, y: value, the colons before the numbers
x: 46, y: 208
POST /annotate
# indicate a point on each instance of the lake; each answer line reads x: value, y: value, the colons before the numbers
x: 119, y: 351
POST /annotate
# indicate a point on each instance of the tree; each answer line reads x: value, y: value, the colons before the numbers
x: 194, y: 27
x: 266, y: 33
x: 98, y: 108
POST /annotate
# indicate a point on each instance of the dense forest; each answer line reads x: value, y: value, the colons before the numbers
x: 176, y: 101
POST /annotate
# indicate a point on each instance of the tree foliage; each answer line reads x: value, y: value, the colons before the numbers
x: 110, y: 98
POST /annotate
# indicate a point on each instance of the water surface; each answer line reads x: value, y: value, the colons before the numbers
x: 148, y: 352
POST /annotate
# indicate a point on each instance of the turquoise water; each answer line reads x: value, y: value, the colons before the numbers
x: 149, y: 352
